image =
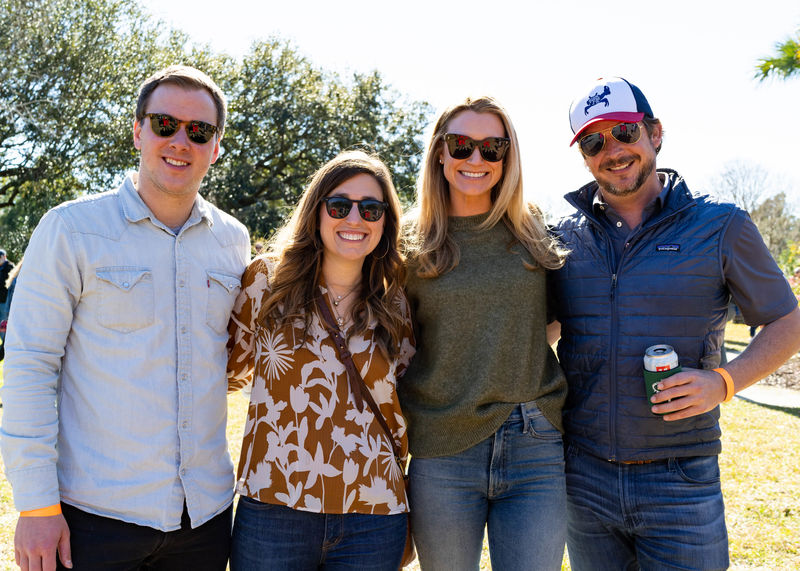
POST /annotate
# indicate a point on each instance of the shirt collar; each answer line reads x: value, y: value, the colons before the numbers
x: 136, y: 210
x: 600, y: 206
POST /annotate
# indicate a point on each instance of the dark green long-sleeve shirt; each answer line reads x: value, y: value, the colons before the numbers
x: 481, y: 344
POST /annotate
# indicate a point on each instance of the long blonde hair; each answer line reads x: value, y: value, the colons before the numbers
x: 296, y: 253
x: 426, y: 237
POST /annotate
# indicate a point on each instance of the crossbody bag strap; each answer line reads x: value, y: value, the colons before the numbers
x: 341, y: 348
x: 360, y: 390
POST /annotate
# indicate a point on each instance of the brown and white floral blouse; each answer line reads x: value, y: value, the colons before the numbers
x: 306, y: 445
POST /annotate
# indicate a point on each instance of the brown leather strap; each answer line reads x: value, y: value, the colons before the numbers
x: 360, y: 390
x: 341, y: 348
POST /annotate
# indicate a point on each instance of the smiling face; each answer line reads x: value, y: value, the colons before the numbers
x: 350, y: 239
x: 622, y: 169
x: 173, y: 167
x: 471, y: 180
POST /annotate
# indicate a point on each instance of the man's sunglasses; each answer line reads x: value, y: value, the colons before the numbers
x: 627, y: 133
x: 370, y: 209
x: 492, y: 149
x: 165, y: 125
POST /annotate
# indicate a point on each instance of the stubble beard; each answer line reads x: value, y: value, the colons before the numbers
x: 648, y: 166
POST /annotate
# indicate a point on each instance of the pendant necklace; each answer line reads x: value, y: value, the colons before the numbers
x: 336, y: 300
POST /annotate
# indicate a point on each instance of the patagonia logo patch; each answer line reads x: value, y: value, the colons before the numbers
x: 668, y: 248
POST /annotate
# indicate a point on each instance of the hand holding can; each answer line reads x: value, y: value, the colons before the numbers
x: 660, y: 362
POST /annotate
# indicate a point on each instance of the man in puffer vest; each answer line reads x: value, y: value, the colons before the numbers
x: 651, y: 263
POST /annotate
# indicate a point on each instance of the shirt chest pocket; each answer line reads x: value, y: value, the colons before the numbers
x: 222, y: 291
x: 127, y: 298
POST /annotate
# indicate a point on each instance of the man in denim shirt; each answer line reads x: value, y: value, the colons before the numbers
x: 115, y: 383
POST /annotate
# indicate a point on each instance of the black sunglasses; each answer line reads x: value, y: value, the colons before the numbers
x: 369, y: 209
x: 627, y: 133
x: 492, y: 149
x: 165, y: 125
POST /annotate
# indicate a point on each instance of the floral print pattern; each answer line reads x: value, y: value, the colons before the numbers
x: 306, y: 445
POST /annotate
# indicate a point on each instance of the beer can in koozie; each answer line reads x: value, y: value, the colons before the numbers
x: 660, y: 362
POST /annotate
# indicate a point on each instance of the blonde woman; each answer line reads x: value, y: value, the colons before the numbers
x: 319, y: 482
x: 483, y: 396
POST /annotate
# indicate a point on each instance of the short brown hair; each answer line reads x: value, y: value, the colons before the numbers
x: 650, y: 123
x: 187, y: 78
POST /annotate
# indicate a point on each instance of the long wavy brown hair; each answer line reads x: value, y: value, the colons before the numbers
x: 426, y: 237
x: 296, y: 253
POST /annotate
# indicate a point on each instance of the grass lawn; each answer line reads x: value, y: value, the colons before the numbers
x: 760, y: 466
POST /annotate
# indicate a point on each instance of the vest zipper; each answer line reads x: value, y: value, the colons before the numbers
x: 612, y: 423
x: 612, y: 392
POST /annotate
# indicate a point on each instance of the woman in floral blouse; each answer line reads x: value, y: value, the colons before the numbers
x: 318, y: 480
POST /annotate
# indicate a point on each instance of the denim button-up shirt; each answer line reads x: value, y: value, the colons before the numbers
x: 115, y: 381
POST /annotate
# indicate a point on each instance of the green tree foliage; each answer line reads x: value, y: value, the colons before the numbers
x: 778, y: 226
x: 287, y: 117
x: 785, y: 61
x: 789, y: 262
x: 751, y: 187
x: 69, y: 72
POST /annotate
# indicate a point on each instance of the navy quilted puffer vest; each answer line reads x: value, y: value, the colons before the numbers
x: 667, y: 287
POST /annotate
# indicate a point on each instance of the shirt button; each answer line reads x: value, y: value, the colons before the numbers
x: 619, y: 224
x: 185, y: 424
x: 183, y: 471
x: 124, y: 284
x: 183, y: 329
x: 183, y: 378
x: 181, y: 283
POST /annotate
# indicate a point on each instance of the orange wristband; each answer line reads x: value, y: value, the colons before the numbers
x: 42, y: 512
x: 726, y: 376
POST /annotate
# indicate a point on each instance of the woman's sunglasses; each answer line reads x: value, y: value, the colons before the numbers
x: 165, y: 125
x: 492, y: 149
x: 369, y: 209
x: 627, y: 133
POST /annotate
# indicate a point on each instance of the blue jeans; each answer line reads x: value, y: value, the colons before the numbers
x: 512, y: 482
x: 667, y: 514
x: 267, y: 536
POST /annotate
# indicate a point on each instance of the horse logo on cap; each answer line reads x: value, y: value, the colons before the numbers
x: 597, y: 98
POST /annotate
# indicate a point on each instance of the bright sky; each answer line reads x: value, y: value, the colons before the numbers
x: 693, y: 59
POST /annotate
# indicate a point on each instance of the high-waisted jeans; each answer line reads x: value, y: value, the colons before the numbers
x: 512, y: 482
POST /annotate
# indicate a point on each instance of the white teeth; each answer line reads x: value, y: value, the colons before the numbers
x: 620, y: 167
x: 351, y: 236
x: 473, y: 174
x: 175, y: 162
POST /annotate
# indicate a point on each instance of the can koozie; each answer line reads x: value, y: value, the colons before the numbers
x: 660, y: 362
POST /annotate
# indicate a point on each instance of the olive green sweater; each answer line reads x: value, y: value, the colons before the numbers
x: 481, y: 344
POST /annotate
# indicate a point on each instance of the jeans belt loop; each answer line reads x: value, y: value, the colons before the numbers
x: 523, y: 411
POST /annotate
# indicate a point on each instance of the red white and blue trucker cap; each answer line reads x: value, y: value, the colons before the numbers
x: 609, y: 99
